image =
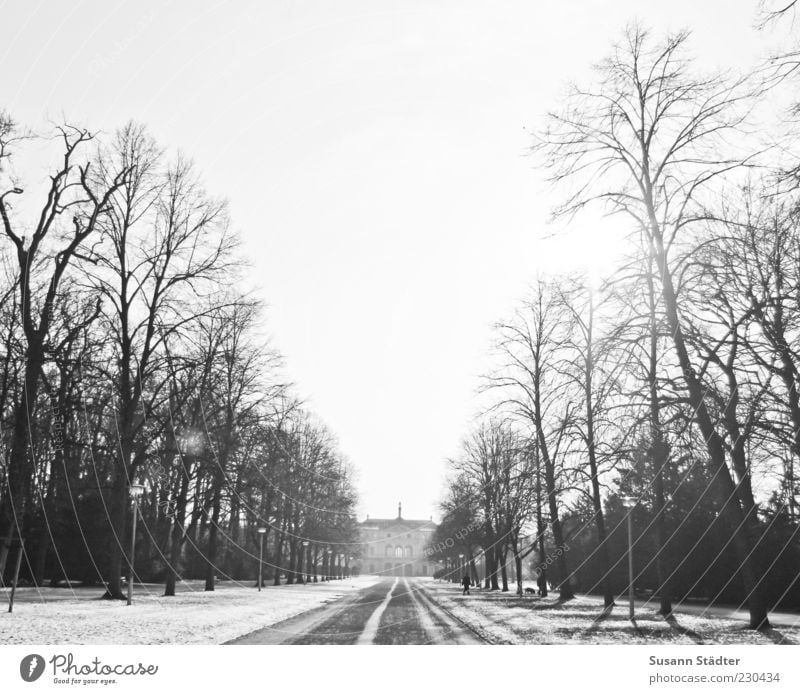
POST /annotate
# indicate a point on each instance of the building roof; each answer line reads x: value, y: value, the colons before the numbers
x: 381, y: 523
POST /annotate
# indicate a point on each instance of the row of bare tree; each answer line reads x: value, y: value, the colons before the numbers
x: 129, y: 358
x: 674, y: 380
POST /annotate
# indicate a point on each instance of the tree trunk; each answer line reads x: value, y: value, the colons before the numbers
x: 540, y: 527
x: 213, y: 530
x: 291, y: 573
x: 518, y: 569
x: 565, y: 588
x: 597, y: 503
x: 659, y: 454
x: 177, y: 533
x: 659, y: 457
x: 119, y: 517
x: 277, y: 561
x: 19, y: 476
x: 744, y: 526
x: 493, y: 570
x: 40, y: 558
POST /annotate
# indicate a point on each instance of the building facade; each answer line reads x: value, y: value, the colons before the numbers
x: 395, y: 546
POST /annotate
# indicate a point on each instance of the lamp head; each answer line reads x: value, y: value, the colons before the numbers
x: 261, y: 531
x: 136, y: 490
x: 628, y: 501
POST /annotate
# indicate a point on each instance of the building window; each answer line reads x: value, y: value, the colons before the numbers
x: 388, y: 550
x: 398, y: 552
x: 409, y: 551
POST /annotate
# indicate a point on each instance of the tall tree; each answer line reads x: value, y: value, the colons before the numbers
x: 167, y: 244
x: 46, y: 247
x: 532, y: 388
x: 648, y: 139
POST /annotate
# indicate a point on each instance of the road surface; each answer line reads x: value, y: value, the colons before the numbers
x: 393, y: 611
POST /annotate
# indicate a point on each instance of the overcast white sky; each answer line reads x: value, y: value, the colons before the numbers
x: 373, y: 153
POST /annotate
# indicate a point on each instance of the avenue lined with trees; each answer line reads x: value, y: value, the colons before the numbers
x: 639, y: 429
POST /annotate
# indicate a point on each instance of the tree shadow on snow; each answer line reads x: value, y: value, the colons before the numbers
x: 777, y: 637
x: 683, y: 631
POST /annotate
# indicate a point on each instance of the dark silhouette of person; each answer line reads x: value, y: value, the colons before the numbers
x: 465, y: 582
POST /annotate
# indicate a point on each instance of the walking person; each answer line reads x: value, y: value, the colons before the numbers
x: 466, y: 583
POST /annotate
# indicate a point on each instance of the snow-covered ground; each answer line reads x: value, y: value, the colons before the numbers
x: 506, y: 618
x: 63, y: 616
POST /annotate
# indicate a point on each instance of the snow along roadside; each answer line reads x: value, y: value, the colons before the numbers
x: 191, y: 617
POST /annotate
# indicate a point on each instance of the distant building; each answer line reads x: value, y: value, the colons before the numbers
x: 395, y: 546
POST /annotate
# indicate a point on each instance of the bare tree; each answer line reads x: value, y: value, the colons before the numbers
x: 648, y: 139
x: 532, y: 388
x: 167, y: 245
x: 46, y: 247
x: 592, y: 376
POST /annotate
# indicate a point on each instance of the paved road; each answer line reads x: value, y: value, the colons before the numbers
x: 393, y: 611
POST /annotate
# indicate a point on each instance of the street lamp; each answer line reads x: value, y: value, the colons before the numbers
x: 461, y: 566
x: 329, y: 572
x: 629, y: 502
x: 261, y: 532
x: 136, y: 491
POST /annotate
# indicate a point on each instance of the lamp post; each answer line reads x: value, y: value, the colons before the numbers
x: 136, y: 491
x: 629, y: 502
x: 329, y: 568
x: 460, y: 565
x: 261, y: 532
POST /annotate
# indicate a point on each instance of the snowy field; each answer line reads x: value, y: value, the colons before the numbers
x: 63, y: 616
x: 504, y: 618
